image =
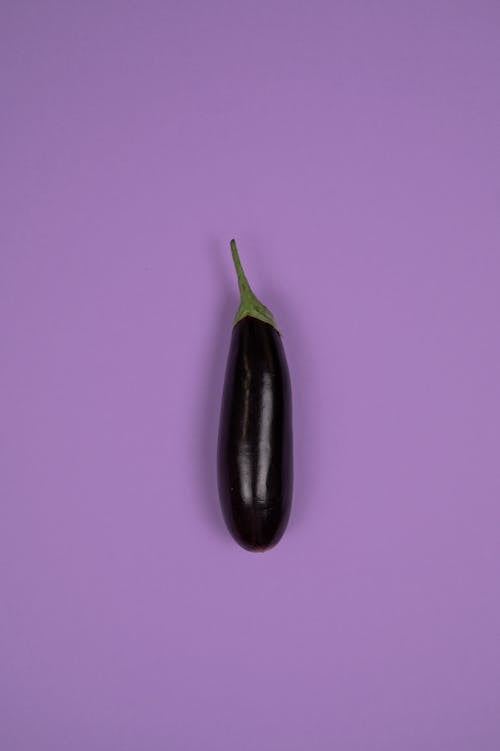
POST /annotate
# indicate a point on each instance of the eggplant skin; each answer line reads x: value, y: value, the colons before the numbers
x: 255, y: 449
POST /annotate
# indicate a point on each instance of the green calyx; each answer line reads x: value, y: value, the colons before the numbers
x: 249, y: 304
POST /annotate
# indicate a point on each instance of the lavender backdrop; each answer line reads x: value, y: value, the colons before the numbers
x: 353, y: 149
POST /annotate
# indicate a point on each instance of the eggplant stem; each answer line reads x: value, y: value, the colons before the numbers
x: 250, y: 305
x: 242, y: 280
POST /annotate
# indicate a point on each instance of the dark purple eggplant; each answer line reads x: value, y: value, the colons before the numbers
x: 255, y: 452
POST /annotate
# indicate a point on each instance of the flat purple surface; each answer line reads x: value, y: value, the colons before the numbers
x: 353, y: 150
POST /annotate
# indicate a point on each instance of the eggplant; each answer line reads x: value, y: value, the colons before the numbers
x: 255, y: 447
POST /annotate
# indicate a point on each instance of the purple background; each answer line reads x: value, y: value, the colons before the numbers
x: 353, y: 149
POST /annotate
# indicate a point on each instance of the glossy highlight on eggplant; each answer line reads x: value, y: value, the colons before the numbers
x: 255, y: 449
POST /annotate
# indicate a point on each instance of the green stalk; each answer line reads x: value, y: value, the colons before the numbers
x: 250, y: 305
